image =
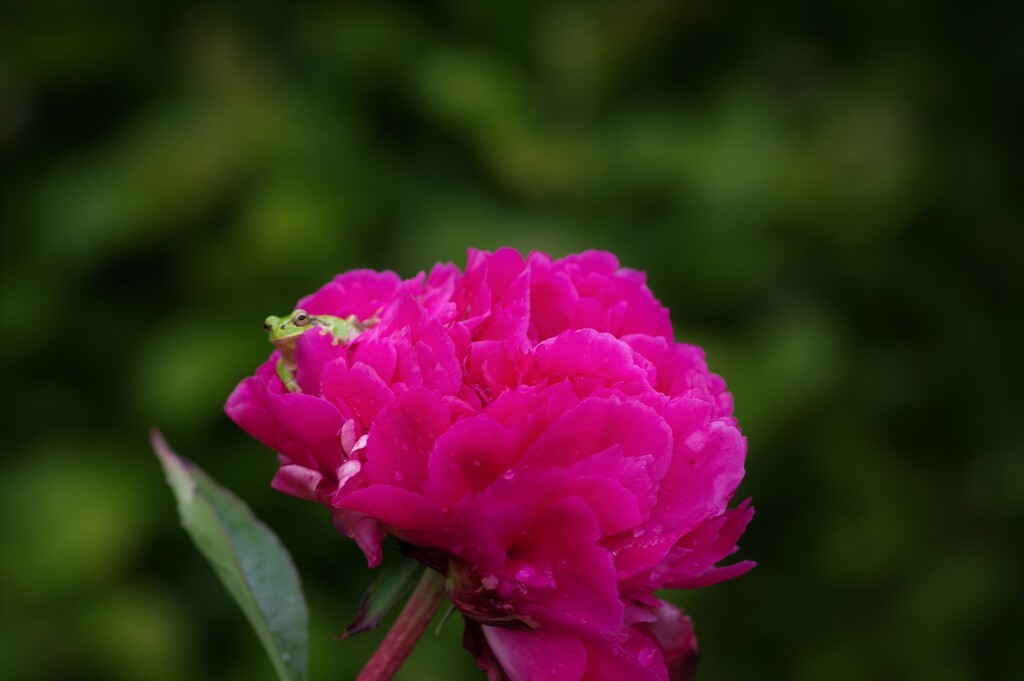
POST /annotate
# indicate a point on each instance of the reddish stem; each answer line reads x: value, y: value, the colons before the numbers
x: 406, y: 630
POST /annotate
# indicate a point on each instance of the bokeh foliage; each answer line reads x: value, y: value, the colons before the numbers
x: 827, y: 195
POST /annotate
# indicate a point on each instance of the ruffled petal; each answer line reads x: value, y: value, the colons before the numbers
x: 544, y: 654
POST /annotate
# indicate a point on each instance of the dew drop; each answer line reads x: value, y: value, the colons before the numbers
x: 646, y: 656
x: 526, y: 573
x: 696, y: 442
x: 639, y: 532
x: 509, y: 475
x: 398, y: 476
x: 489, y: 582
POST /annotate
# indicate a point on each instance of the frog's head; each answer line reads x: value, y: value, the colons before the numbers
x: 284, y: 331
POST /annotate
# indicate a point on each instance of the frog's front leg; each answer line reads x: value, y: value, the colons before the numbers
x: 287, y: 377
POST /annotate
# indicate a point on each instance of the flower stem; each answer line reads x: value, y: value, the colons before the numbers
x: 406, y: 630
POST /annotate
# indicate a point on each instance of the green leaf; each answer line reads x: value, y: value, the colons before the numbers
x: 248, y: 557
x: 383, y: 593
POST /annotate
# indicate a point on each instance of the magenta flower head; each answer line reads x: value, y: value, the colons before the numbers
x: 530, y: 429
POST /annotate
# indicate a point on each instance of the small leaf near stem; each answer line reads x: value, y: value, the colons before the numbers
x: 385, y: 591
x: 406, y: 630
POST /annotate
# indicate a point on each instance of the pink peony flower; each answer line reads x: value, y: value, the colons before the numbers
x: 531, y: 430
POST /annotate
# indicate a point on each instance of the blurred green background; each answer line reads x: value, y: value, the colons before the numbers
x: 827, y: 197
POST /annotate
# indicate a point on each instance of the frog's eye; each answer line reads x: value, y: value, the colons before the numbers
x: 300, y: 318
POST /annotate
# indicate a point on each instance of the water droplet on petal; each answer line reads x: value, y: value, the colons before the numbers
x: 639, y: 532
x: 696, y: 441
x: 647, y: 656
x: 509, y: 475
x: 525, y: 573
x: 398, y: 476
x: 489, y: 582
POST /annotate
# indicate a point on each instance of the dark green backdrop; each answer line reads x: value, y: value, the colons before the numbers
x: 828, y: 199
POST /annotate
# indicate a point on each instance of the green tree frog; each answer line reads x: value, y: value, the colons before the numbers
x: 284, y: 332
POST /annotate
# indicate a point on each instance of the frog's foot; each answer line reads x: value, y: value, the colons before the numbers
x: 368, y: 323
x: 287, y: 377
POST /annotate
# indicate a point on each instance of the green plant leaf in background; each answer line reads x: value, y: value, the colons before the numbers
x: 248, y: 557
x: 383, y: 593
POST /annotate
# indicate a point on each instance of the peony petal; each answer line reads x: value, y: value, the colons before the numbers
x: 690, y: 564
x: 247, y: 407
x: 563, y: 540
x: 358, y: 292
x: 545, y: 654
x: 510, y: 314
x: 553, y: 301
x: 437, y: 338
x: 674, y: 632
x: 310, y: 425
x: 402, y: 437
x: 588, y: 353
x: 467, y: 458
x: 637, y: 658
x: 597, y: 424
x: 366, y: 532
x: 407, y: 514
x: 297, y: 481
x: 504, y: 268
x: 378, y: 354
x: 314, y: 349
x: 358, y: 391
x: 707, y: 466
x: 473, y: 640
x: 495, y: 366
x: 404, y: 312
